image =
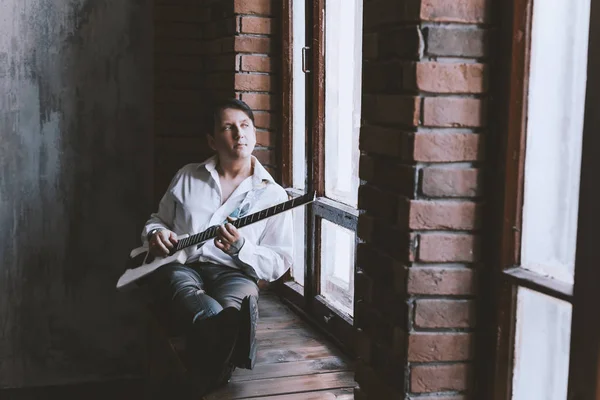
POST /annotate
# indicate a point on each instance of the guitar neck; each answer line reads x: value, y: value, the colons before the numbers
x: 211, y: 232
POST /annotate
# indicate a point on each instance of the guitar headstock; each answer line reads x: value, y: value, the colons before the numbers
x: 309, y: 197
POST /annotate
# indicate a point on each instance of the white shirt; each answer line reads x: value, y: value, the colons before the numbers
x: 192, y: 204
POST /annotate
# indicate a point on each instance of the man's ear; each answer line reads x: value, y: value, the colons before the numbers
x: 211, y: 141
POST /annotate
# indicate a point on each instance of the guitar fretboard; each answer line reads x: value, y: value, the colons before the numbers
x: 247, y: 220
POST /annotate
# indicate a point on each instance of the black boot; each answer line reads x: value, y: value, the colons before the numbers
x: 245, y: 353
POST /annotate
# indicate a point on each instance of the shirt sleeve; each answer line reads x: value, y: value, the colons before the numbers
x: 272, y: 256
x: 164, y: 218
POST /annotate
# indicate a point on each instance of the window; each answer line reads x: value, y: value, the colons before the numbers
x: 543, y: 166
x: 323, y: 48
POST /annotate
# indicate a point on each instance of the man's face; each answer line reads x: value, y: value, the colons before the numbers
x: 234, y: 135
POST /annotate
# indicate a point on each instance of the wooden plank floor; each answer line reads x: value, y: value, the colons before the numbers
x: 294, y: 362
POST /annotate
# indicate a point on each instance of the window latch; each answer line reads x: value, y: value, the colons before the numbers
x: 305, y: 60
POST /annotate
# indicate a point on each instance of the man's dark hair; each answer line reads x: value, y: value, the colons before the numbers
x: 213, y: 115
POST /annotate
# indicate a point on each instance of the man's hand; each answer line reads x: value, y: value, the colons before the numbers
x: 229, y: 238
x: 162, y: 242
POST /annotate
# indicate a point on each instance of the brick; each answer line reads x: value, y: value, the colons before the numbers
x: 223, y: 27
x: 252, y: 44
x: 456, y: 42
x: 362, y: 346
x: 180, y: 13
x: 448, y: 247
x: 219, y: 80
x: 444, y: 313
x: 384, y: 173
x: 219, y: 10
x: 371, y: 383
x: 439, y: 378
x: 393, y: 308
x: 184, y: 47
x: 386, y: 273
x: 378, y: 202
x: 440, y: 215
x: 370, y: 46
x: 382, y: 77
x: 452, y: 182
x: 366, y: 167
x: 377, y: 265
x: 272, y: 171
x: 180, y: 80
x: 252, y: 63
x: 178, y: 30
x: 382, y: 12
x: 435, y: 347
x: 255, y: 25
x: 454, y: 112
x: 366, y: 227
x: 177, y: 128
x: 264, y: 120
x: 265, y: 138
x: 447, y: 147
x: 164, y: 95
x: 363, y: 287
x: 384, y: 141
x: 446, y: 77
x: 369, y: 319
x: 179, y: 63
x: 406, y: 42
x: 220, y: 62
x: 219, y: 46
x: 441, y: 281
x: 393, y: 241
x: 218, y: 95
x: 387, y: 367
x: 261, y: 7
x: 391, y: 109
x: 266, y: 157
x: 253, y: 82
x: 258, y: 101
x: 462, y: 11
x: 180, y: 117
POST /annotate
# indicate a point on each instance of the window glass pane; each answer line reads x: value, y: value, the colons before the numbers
x: 298, y: 97
x: 337, y: 266
x: 554, y: 133
x: 298, y: 214
x: 343, y: 65
x: 542, y: 342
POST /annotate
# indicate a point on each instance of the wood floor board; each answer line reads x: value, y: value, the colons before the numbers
x: 286, y: 385
x: 294, y: 362
x: 264, y: 371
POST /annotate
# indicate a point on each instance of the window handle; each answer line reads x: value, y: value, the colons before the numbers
x: 305, y: 69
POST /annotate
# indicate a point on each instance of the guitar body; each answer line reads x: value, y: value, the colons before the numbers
x: 149, y: 263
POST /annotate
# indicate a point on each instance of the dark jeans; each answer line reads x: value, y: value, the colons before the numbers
x: 203, y: 301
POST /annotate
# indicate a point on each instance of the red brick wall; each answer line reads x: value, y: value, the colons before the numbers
x: 425, y: 79
x: 257, y: 61
x: 207, y: 49
x: 424, y: 112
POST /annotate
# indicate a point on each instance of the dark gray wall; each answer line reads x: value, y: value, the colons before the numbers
x: 75, y: 186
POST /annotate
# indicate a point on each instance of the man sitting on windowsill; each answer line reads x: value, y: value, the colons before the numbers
x: 213, y: 296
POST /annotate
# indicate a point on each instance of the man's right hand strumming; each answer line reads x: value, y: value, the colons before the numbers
x: 161, y: 242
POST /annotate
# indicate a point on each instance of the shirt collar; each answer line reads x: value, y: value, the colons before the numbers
x: 260, y: 173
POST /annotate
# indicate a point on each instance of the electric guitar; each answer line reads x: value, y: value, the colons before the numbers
x: 150, y: 263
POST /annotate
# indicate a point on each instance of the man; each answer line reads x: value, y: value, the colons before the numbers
x: 213, y: 297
